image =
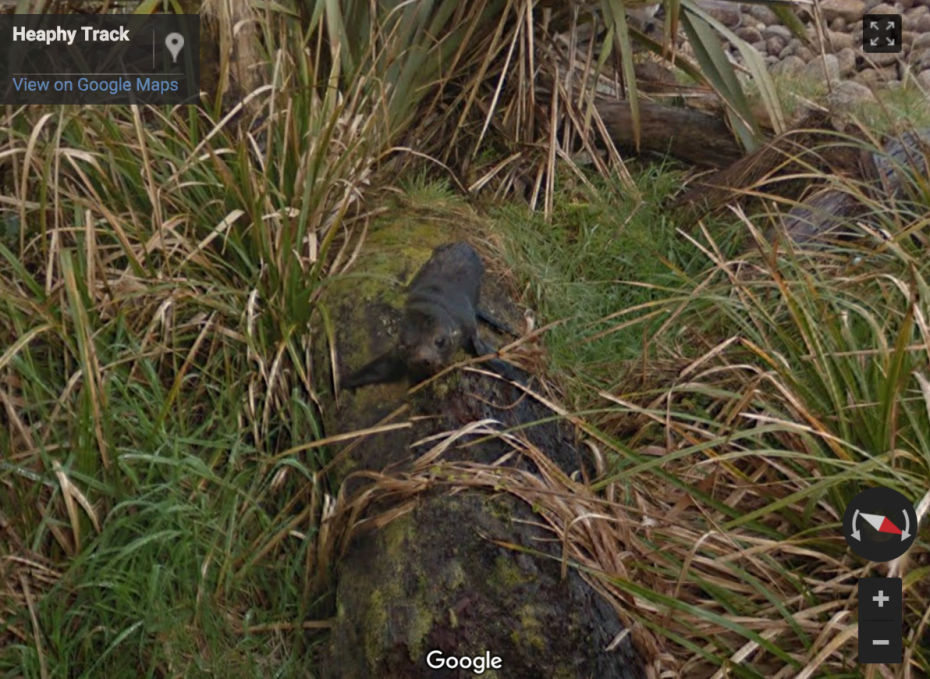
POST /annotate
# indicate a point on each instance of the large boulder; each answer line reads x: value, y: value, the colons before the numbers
x: 436, y: 556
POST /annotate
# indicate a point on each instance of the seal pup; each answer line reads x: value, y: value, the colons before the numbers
x: 440, y: 317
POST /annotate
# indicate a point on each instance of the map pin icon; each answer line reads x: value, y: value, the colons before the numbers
x: 174, y: 42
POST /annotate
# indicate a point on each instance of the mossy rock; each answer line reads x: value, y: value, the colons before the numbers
x: 435, y: 580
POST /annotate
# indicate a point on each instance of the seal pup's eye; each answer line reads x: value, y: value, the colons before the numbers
x: 440, y: 342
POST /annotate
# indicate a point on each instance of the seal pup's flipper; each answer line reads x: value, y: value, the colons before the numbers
x: 388, y: 367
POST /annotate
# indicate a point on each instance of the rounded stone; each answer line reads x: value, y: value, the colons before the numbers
x: 848, y: 10
x: 884, y: 8
x: 826, y: 67
x: 923, y: 24
x: 921, y: 42
x: 776, y: 32
x: 923, y: 79
x: 788, y: 66
x: 805, y: 53
x: 726, y: 13
x: 763, y: 14
x: 838, y: 24
x: 774, y: 46
x: 847, y: 60
x: 868, y: 77
x: 920, y: 59
x: 873, y: 77
x: 881, y: 58
x: 749, y: 34
x: 840, y: 41
x: 653, y: 72
x: 847, y: 95
x: 804, y: 13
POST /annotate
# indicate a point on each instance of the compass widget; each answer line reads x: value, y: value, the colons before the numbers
x: 879, y: 524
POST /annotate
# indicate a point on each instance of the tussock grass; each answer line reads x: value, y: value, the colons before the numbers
x: 159, y: 274
x: 754, y: 394
x: 813, y: 386
x: 905, y: 105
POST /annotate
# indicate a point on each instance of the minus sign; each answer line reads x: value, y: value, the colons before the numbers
x: 881, y: 642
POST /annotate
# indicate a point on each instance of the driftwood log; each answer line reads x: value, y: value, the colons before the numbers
x: 782, y: 170
x: 785, y: 169
x: 891, y: 173
x: 808, y: 147
x: 695, y: 137
x: 473, y: 573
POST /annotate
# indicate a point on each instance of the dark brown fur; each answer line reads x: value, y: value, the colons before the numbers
x: 440, y: 317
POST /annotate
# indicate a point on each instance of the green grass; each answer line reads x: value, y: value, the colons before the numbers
x: 906, y: 104
x: 155, y: 299
x: 812, y: 387
x: 602, y: 254
x: 190, y: 499
x: 892, y: 106
x: 154, y: 589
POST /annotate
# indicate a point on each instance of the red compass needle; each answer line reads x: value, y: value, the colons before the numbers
x: 881, y: 523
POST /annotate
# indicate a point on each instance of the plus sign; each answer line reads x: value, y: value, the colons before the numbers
x: 881, y: 598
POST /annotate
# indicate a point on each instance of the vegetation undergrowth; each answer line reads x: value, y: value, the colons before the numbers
x: 160, y: 485
x: 812, y: 386
x: 158, y: 273
x: 601, y: 252
x: 768, y: 386
x: 880, y: 114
